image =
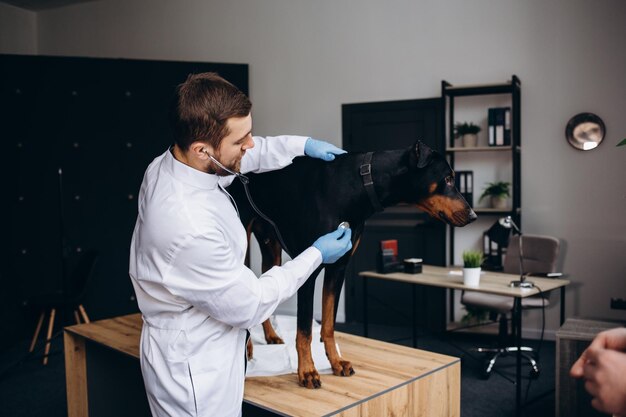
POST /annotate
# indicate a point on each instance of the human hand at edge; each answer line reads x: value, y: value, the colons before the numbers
x: 321, y: 150
x: 603, y: 372
x: 334, y: 245
x: 614, y: 339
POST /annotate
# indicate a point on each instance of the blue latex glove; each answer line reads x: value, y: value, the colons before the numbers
x: 334, y: 245
x: 321, y: 150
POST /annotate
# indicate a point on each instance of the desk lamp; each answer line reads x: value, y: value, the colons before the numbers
x: 507, y: 222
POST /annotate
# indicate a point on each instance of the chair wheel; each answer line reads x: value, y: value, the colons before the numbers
x: 484, y: 374
x: 534, y: 374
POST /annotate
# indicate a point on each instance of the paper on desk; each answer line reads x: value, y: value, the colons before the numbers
x: 270, y: 360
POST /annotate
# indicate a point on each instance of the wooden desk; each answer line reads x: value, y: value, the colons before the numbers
x: 490, y: 283
x: 389, y: 379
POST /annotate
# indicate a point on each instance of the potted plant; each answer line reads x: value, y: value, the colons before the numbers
x: 622, y: 143
x: 472, y: 260
x: 498, y: 191
x: 474, y: 315
x: 467, y: 132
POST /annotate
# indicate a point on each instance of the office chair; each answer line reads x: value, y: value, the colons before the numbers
x: 65, y: 300
x: 540, y: 257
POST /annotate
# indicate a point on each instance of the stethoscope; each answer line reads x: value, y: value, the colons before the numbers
x: 245, y: 180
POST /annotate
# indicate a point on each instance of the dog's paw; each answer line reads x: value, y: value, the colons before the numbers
x: 343, y: 368
x: 310, y: 379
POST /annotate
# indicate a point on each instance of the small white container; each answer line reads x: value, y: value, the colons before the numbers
x: 471, y: 277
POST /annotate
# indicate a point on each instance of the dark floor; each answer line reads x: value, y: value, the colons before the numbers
x: 28, y: 389
x: 494, y: 397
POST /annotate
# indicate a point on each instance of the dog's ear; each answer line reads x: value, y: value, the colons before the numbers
x: 422, y: 154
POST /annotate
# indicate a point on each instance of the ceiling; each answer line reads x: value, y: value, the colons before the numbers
x: 36, y: 5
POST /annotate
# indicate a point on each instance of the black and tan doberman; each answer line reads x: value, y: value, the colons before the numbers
x: 311, y: 197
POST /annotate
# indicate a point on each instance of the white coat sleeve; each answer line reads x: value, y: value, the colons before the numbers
x: 272, y: 153
x: 207, y: 275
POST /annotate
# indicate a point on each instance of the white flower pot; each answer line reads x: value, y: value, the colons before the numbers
x: 498, y: 202
x: 470, y: 140
x: 471, y: 277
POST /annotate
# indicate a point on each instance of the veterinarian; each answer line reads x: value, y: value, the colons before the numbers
x: 603, y: 366
x: 187, y: 253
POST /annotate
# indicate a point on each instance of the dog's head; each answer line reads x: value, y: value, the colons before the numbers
x: 432, y: 181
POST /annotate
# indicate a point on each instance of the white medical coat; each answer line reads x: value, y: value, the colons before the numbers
x: 195, y: 294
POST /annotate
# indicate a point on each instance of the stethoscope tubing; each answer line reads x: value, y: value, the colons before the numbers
x: 245, y: 181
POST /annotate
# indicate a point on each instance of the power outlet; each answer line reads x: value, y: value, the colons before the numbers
x: 618, y: 304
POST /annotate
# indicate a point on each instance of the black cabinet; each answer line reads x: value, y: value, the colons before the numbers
x: 383, y: 126
x: 77, y: 136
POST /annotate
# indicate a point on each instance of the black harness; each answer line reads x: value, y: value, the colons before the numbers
x: 368, y: 182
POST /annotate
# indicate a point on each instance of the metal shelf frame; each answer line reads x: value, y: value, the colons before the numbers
x: 513, y: 87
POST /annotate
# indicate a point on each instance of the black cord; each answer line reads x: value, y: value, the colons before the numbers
x: 543, y: 327
x: 521, y: 259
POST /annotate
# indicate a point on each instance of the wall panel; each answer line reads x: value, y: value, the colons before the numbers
x: 78, y: 134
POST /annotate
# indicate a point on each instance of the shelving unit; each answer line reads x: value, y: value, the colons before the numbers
x: 480, y: 149
x: 451, y: 92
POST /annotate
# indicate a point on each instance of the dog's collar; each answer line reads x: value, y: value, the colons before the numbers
x: 368, y: 182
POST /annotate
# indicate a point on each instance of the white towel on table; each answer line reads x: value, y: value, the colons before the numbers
x: 270, y: 360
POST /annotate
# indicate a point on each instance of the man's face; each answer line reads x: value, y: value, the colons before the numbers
x: 235, y: 144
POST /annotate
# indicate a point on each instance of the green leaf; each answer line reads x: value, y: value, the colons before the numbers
x: 499, y: 188
x: 622, y: 143
x: 472, y: 259
x: 465, y: 128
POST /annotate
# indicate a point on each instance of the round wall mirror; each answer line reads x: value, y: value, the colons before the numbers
x: 585, y: 131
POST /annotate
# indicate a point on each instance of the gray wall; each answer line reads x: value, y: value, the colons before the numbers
x: 18, y: 30
x: 308, y: 57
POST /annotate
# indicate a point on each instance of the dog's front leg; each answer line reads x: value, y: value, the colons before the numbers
x: 307, y: 374
x: 333, y: 281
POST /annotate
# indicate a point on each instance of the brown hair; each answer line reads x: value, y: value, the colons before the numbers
x: 201, y: 107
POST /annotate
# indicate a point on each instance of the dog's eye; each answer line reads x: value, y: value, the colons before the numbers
x: 450, y: 181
